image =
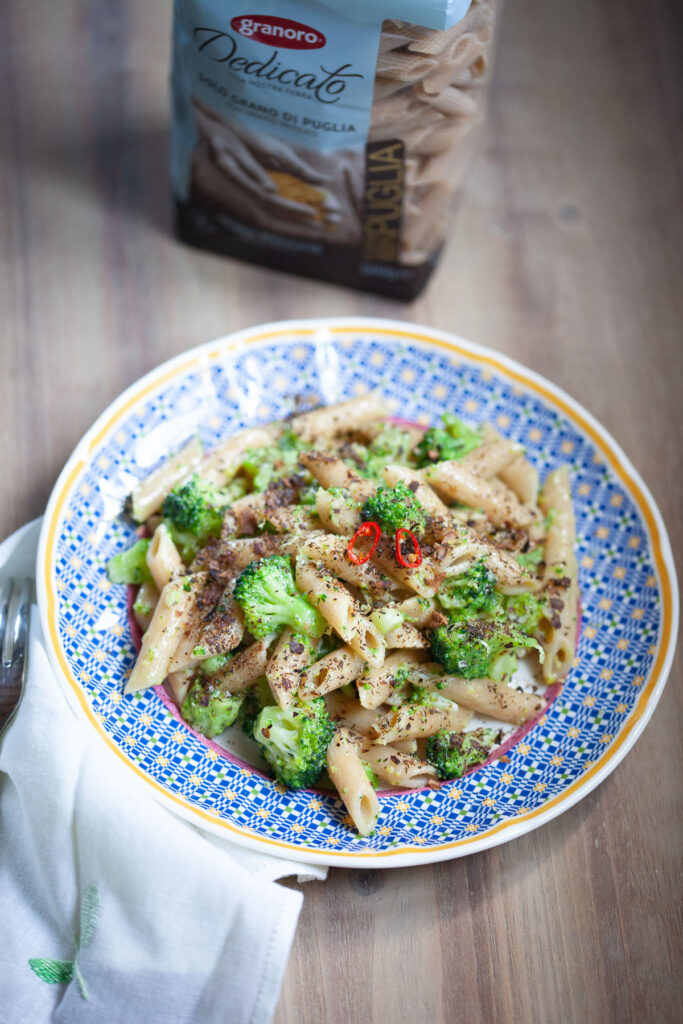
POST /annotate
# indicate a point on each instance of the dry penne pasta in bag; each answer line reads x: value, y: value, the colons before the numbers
x: 327, y: 138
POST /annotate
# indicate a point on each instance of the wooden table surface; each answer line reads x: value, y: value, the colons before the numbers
x: 566, y: 254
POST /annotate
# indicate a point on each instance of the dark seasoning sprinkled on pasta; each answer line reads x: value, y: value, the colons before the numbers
x: 367, y: 670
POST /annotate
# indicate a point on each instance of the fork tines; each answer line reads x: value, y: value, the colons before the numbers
x: 15, y: 603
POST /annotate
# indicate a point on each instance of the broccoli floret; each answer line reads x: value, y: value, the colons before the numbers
x: 267, y: 594
x: 452, y: 441
x: 210, y: 709
x: 395, y: 508
x: 294, y: 742
x: 130, y: 566
x: 472, y: 594
x: 213, y: 665
x: 453, y: 753
x: 194, y: 511
x: 391, y: 444
x: 525, y: 611
x: 257, y: 697
x: 478, y: 649
x: 272, y: 462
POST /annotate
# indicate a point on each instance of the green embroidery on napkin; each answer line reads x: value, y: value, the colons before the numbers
x: 63, y: 971
x: 52, y: 971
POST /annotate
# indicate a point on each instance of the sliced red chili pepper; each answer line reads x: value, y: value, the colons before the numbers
x: 416, y: 556
x: 369, y: 529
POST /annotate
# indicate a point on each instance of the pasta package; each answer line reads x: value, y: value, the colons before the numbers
x: 327, y: 138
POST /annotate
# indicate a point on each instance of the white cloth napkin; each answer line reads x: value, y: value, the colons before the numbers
x: 175, y: 925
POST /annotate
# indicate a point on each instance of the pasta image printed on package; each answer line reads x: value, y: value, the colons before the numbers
x: 327, y: 138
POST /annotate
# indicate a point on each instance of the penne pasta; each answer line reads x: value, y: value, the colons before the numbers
x: 145, y: 603
x: 427, y: 497
x: 206, y: 636
x: 336, y: 669
x: 225, y: 459
x: 163, y: 559
x: 405, y: 636
x: 487, y: 697
x: 396, y: 766
x: 172, y: 615
x: 148, y: 496
x: 332, y: 420
x: 490, y: 458
x: 331, y: 471
x: 251, y: 611
x: 349, y: 776
x: 246, y: 667
x: 380, y: 683
x: 338, y: 513
x: 458, y: 483
x: 291, y: 656
x: 330, y: 596
x: 558, y: 627
x: 417, y: 721
x: 330, y: 551
x: 350, y: 713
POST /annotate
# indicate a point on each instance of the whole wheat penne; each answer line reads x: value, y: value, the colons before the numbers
x: 291, y: 656
x: 208, y: 635
x: 427, y: 497
x: 331, y: 551
x: 490, y: 458
x: 349, y: 776
x: 417, y: 721
x: 330, y: 596
x: 487, y: 697
x: 333, y: 671
x: 350, y: 712
x: 558, y: 626
x: 331, y: 420
x: 417, y: 610
x: 149, y: 495
x: 247, y: 666
x: 224, y: 459
x: 458, y: 483
x: 405, y: 636
x: 380, y: 683
x: 171, y: 616
x: 145, y: 603
x: 397, y: 767
x: 163, y: 559
x: 338, y: 513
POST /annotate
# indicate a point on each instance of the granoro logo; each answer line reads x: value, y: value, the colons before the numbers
x: 290, y: 35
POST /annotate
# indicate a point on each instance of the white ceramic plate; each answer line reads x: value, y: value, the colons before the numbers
x: 628, y: 586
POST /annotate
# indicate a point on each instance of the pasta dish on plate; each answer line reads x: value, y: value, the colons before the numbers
x: 373, y: 604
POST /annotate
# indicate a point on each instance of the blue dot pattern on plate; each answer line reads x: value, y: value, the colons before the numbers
x: 620, y: 596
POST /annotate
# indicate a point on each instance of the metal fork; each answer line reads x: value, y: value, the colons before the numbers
x: 15, y: 609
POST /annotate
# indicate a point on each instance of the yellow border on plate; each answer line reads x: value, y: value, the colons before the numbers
x: 506, y: 371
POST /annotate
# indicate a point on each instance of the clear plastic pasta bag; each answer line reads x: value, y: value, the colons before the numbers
x: 327, y: 137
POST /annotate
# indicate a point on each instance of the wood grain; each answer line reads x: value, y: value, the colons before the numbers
x: 566, y: 253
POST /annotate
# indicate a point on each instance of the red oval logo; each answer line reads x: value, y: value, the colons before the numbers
x: 264, y: 28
